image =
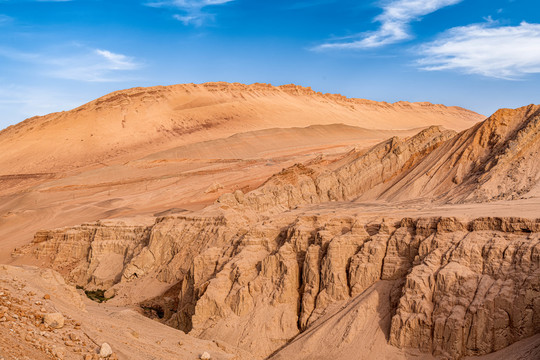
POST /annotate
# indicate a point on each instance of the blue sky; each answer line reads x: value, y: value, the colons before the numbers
x: 479, y: 54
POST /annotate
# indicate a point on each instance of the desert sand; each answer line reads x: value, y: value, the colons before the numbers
x: 261, y: 222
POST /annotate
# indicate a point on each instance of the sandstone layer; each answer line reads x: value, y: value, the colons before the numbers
x: 495, y: 159
x: 458, y: 287
x: 339, y: 180
x: 374, y: 242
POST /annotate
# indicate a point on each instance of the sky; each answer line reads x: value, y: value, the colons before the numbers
x: 479, y: 54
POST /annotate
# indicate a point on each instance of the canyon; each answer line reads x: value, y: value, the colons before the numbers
x: 261, y: 222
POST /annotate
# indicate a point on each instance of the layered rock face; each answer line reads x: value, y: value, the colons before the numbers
x: 176, y: 241
x: 101, y: 254
x: 496, y: 159
x: 475, y: 291
x: 92, y: 255
x: 470, y: 288
x: 467, y: 287
x: 340, y: 180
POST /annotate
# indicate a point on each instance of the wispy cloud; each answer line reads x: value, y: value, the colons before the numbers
x: 117, y: 61
x: 76, y: 63
x: 192, y: 11
x: 394, y: 24
x: 196, y: 19
x: 4, y: 19
x: 506, y: 52
x: 93, y: 65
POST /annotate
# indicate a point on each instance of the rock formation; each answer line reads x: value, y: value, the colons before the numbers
x: 94, y: 255
x: 483, y: 274
x: 496, y: 159
x: 378, y: 251
x: 350, y: 177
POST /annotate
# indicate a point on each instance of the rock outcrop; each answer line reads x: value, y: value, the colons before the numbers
x: 452, y: 270
x: 474, y: 294
x: 101, y: 254
x: 344, y: 179
x: 494, y: 160
x: 54, y: 320
x: 91, y: 255
x: 467, y: 287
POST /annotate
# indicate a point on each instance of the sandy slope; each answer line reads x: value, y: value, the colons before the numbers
x: 496, y: 159
x: 357, y: 329
x: 125, y: 124
x: 87, y: 324
x: 185, y: 177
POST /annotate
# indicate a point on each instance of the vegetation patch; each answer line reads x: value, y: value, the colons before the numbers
x: 95, y: 295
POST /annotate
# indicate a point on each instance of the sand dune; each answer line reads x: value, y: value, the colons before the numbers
x: 131, y: 123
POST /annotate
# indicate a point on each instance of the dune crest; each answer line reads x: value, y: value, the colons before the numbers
x: 128, y: 123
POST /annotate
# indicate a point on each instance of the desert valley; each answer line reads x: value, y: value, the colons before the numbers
x: 231, y: 221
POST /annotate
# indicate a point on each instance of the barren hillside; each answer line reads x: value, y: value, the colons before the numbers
x: 299, y: 226
x: 151, y: 150
x: 130, y: 123
x: 300, y: 268
x: 495, y: 159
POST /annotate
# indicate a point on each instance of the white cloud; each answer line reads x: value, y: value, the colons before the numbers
x: 192, y: 10
x: 395, y: 24
x: 92, y: 66
x: 117, y: 61
x: 75, y: 63
x: 4, y: 19
x: 506, y: 52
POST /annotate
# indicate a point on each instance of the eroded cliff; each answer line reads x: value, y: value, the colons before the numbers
x: 343, y: 179
x: 461, y: 287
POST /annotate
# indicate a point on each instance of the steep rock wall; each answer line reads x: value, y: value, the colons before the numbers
x: 91, y: 255
x: 467, y: 287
